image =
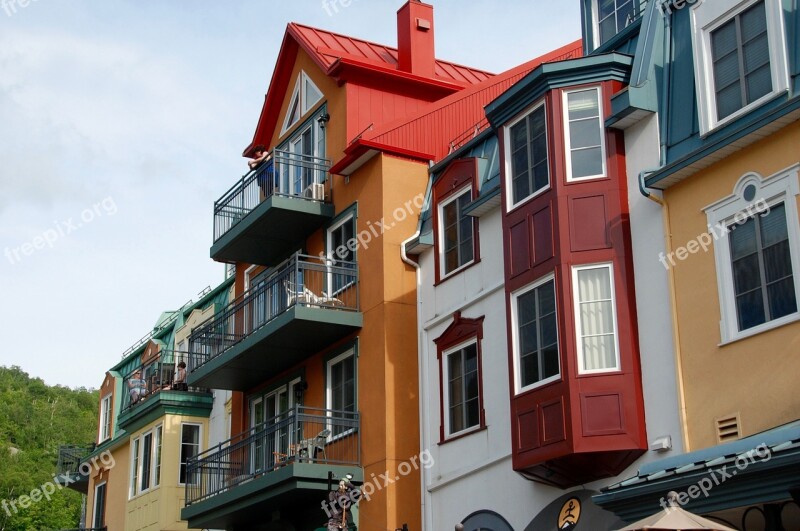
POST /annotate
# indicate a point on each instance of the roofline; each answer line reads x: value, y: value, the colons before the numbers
x: 361, y: 147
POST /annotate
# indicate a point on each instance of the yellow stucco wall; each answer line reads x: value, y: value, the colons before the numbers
x: 116, y: 478
x: 159, y: 509
x: 755, y: 377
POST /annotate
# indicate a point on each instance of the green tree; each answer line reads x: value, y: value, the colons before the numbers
x: 35, y: 419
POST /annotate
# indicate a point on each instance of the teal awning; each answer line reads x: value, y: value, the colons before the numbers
x: 761, y: 468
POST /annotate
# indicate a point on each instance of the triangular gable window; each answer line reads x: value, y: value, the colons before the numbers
x: 302, y: 101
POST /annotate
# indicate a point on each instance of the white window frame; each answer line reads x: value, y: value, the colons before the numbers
x: 781, y: 187
x: 105, y: 419
x: 509, y: 167
x: 94, y: 502
x: 596, y: 21
x: 567, y: 148
x: 349, y: 353
x: 578, y: 327
x: 180, y: 446
x: 299, y: 93
x: 442, y: 262
x: 133, y: 484
x: 158, y: 456
x: 331, y: 255
x: 515, y: 335
x: 138, y: 441
x: 708, y: 16
x: 446, y: 388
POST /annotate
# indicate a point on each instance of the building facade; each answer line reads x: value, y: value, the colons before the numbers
x: 717, y: 87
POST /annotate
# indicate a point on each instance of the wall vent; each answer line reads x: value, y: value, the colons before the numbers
x: 728, y: 428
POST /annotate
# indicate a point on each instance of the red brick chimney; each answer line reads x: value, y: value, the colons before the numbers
x: 415, y: 39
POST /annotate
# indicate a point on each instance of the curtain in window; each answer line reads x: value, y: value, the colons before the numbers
x: 597, y: 319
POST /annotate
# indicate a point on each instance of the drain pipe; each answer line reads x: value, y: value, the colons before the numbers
x: 423, y: 410
x: 676, y: 335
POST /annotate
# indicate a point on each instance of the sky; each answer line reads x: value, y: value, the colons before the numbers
x: 122, y: 121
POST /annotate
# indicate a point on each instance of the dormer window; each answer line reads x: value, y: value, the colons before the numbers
x: 611, y: 16
x: 740, y: 58
x: 304, y: 97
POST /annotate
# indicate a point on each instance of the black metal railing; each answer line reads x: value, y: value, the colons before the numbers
x: 306, y: 280
x: 149, y: 379
x: 300, y: 435
x: 70, y: 458
x: 285, y: 173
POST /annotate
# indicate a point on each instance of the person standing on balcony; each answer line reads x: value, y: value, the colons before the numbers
x: 137, y: 387
x: 179, y: 384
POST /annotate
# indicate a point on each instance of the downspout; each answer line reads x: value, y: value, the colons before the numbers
x: 676, y: 335
x: 423, y: 409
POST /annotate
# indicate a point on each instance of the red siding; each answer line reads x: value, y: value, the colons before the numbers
x: 582, y: 427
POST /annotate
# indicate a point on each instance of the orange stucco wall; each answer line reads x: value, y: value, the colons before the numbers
x: 755, y: 377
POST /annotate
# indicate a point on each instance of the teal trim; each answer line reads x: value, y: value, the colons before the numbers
x: 268, y: 492
x: 333, y: 354
x: 769, y: 476
x: 729, y: 134
x: 182, y: 403
x: 549, y: 76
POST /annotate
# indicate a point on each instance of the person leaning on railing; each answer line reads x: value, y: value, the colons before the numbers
x: 137, y: 387
x: 262, y: 155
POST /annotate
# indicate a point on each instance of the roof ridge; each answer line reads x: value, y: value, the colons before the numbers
x: 386, y: 46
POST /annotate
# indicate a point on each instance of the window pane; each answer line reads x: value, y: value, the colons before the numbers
x: 587, y: 162
x: 750, y: 309
x: 456, y: 418
x: 605, y: 8
x: 624, y: 14
x: 584, y: 133
x: 746, y: 274
x: 147, y: 445
x: 743, y: 239
x: 773, y: 226
x: 723, y: 39
x: 782, y: 298
x: 596, y: 314
x: 582, y: 104
x: 729, y: 101
x: 550, y: 362
x: 726, y: 71
x: 754, y: 22
x: 529, y: 367
x: 538, y: 334
x: 777, y: 262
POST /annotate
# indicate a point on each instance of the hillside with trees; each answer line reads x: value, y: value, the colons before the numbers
x: 35, y: 419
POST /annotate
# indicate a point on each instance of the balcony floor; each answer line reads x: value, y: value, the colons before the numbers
x: 272, y: 231
x: 296, y: 491
x: 278, y: 345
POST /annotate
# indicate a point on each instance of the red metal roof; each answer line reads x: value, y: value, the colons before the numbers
x: 445, y: 124
x: 327, y: 48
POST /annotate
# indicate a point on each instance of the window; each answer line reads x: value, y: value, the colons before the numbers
x: 146, y: 461
x: 584, y: 134
x: 147, y: 455
x: 159, y: 433
x: 134, y: 467
x: 740, y: 57
x: 527, y: 141
x: 611, y: 16
x: 763, y: 280
x: 462, y: 394
x: 595, y: 318
x: 535, y: 334
x: 105, y: 418
x: 190, y: 447
x: 756, y: 253
x: 99, y: 518
x: 456, y: 233
x: 341, y: 392
x: 304, y: 96
x: 341, y: 254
